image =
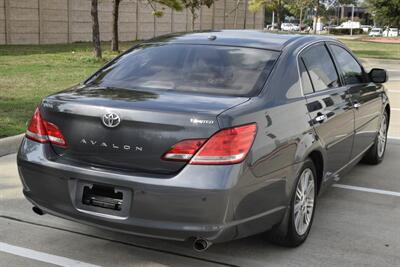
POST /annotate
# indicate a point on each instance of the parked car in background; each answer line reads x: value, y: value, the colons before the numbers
x: 270, y: 27
x: 305, y: 28
x: 349, y: 25
x: 375, y: 32
x: 206, y: 137
x: 289, y: 27
x: 366, y: 28
x: 295, y: 27
x: 286, y: 26
x: 328, y: 27
x: 390, y: 32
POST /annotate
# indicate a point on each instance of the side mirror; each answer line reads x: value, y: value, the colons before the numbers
x: 378, y: 75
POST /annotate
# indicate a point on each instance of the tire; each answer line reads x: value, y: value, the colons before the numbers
x: 295, y: 235
x: 376, y: 153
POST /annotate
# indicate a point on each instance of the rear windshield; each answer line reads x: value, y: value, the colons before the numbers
x: 189, y: 68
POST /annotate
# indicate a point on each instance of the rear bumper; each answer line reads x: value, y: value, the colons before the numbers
x: 213, y: 203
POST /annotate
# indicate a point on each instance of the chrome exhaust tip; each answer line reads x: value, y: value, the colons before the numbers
x: 38, y: 211
x: 201, y: 245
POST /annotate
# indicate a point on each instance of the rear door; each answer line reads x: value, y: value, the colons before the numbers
x: 366, y: 98
x: 329, y: 105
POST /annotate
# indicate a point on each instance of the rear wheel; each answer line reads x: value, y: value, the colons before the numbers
x: 376, y: 153
x: 302, y: 209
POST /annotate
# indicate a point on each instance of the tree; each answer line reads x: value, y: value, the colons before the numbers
x: 386, y: 11
x: 194, y: 5
x: 115, y: 15
x: 316, y: 16
x: 321, y: 6
x: 236, y: 13
x: 235, y: 9
x: 275, y: 5
x: 296, y: 7
x: 174, y: 4
x: 95, y: 29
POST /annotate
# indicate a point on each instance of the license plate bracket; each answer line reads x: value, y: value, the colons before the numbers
x: 102, y: 196
x: 100, y: 199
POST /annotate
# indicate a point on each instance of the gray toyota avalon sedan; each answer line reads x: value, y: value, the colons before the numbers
x: 207, y: 137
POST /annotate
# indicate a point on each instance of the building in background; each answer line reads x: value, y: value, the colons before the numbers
x: 361, y: 14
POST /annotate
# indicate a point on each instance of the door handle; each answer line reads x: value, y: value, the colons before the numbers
x: 321, y: 118
x: 356, y: 105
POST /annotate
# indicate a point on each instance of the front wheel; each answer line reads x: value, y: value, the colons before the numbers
x: 302, y: 209
x: 376, y: 153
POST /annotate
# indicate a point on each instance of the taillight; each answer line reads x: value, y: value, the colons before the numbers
x: 228, y: 146
x: 184, y: 150
x: 42, y: 131
x: 54, y: 134
x: 36, y: 130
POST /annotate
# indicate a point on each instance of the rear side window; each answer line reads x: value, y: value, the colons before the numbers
x: 320, y: 67
x: 190, y: 68
x: 350, y: 69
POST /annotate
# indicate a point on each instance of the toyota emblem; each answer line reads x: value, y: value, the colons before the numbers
x: 111, y: 120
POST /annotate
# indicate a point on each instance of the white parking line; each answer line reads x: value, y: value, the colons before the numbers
x: 395, y: 109
x: 43, y: 257
x: 366, y: 189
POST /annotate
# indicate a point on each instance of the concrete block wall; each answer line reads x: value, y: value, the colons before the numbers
x: 66, y: 21
x: 2, y: 23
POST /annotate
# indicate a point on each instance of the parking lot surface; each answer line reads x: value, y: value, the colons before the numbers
x: 351, y: 227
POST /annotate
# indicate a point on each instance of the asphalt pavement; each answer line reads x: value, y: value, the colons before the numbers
x: 356, y: 224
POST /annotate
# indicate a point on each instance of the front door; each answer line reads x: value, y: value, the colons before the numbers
x: 366, y: 98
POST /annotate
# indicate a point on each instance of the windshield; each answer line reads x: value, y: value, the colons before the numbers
x: 190, y: 68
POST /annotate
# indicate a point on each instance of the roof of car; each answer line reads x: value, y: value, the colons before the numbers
x: 246, y: 38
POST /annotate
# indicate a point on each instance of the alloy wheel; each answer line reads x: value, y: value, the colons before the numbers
x: 304, y: 202
x: 382, y: 136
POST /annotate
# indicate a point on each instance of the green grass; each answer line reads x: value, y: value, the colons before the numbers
x: 30, y: 72
x: 373, y: 50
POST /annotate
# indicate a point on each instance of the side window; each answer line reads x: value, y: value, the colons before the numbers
x: 320, y: 67
x: 305, y: 79
x: 351, y: 70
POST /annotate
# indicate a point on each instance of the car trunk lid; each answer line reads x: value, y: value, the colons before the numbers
x: 150, y: 123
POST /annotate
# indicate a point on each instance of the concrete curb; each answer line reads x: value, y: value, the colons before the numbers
x: 10, y: 144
